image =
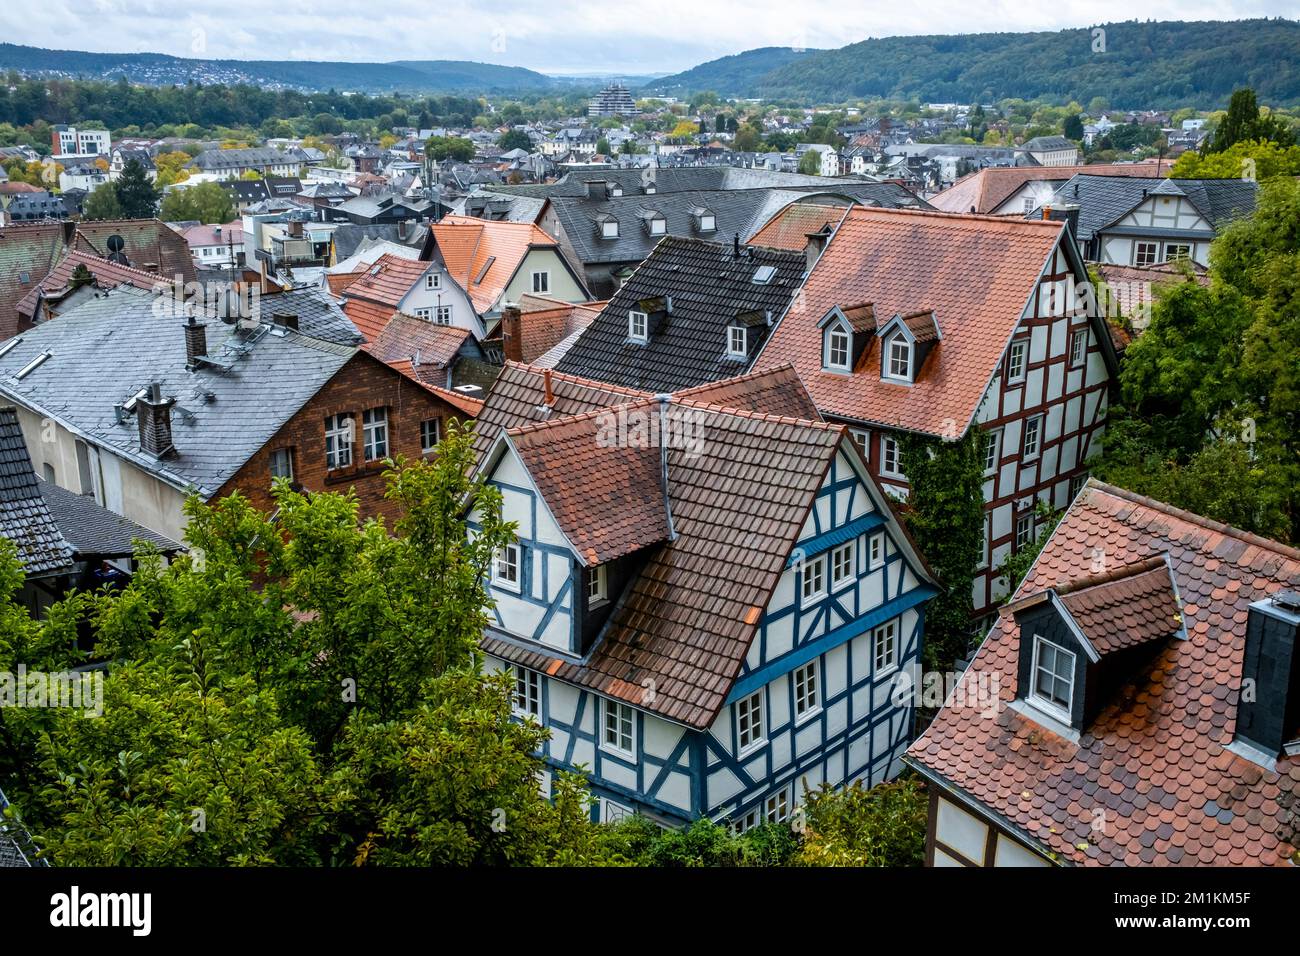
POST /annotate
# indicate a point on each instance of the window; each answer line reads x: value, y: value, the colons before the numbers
x: 505, y: 568
x: 430, y: 435
x: 541, y: 282
x: 1177, y: 251
x: 899, y: 358
x: 1145, y: 253
x: 636, y: 326
x: 442, y: 315
x: 863, y: 439
x: 1076, y: 484
x: 338, y: 441
x: 609, y: 229
x: 1016, y: 361
x: 843, y: 569
x: 992, y: 441
x: 1033, y: 431
x: 1078, y: 347
x: 805, y: 690
x: 875, y: 551
x: 658, y: 226
x: 984, y: 549
x: 1024, y: 530
x: 749, y: 721
x: 736, y: 344
x: 528, y: 692
x: 814, y: 579
x: 597, y: 589
x: 374, y: 434
x: 837, y: 349
x: 423, y: 314
x: 620, y: 732
x: 48, y: 471
x: 282, y: 463
x: 1053, y: 684
x: 613, y: 812
x: 889, y: 457
x: 776, y: 808
x: 747, y: 822
x: 433, y: 281
x: 884, y: 647
x: 708, y: 222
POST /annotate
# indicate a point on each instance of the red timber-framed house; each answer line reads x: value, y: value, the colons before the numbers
x: 934, y: 323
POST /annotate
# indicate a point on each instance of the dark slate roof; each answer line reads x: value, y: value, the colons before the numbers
x: 93, y: 530
x: 670, y: 180
x: 319, y: 315
x: 104, y: 351
x: 1103, y: 200
x: 1040, y: 143
x: 736, y: 211
x: 24, y: 517
x: 349, y: 236
x: 246, y: 190
x: 710, y: 289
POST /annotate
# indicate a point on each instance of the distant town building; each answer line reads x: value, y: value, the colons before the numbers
x: 68, y: 141
x: 613, y: 100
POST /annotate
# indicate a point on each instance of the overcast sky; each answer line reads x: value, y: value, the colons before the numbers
x: 552, y: 36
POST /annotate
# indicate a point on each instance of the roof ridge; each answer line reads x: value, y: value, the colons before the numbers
x: 1248, y: 537
x: 1131, y: 570
x: 575, y: 418
x: 747, y: 376
x: 761, y: 416
x: 862, y: 212
x: 576, y: 379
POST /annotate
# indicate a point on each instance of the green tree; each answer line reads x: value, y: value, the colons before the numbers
x: 136, y: 193
x: 1244, y: 121
x: 454, y: 148
x: 102, y: 203
x: 1073, y: 128
x: 1254, y: 159
x: 515, y: 139
x: 945, y: 516
x: 855, y: 826
x: 810, y: 164
x: 205, y: 202
x: 602, y: 146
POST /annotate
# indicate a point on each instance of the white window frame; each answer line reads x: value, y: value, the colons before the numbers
x: 609, y: 229
x: 884, y: 648
x: 509, y: 557
x: 339, y: 436
x: 1046, y: 704
x: 1076, y: 484
x: 597, y: 584
x: 620, y: 718
x: 1078, y: 346
x: 708, y: 222
x: 832, y: 333
x: 637, y: 319
x: 751, y: 819
x: 442, y: 315
x: 1030, y: 453
x: 751, y: 732
x: 1027, y: 520
x: 425, y: 447
x: 992, y: 450
x: 374, y: 434
x: 423, y: 314
x: 737, y: 349
x: 898, y: 353
x: 527, y: 698
x: 1018, y: 349
x: 844, y: 565
x: 282, y: 454
x: 1146, y: 250
x: 986, y: 541
x: 863, y: 438
x: 896, y: 471
x: 545, y: 286
x: 1177, y: 245
x: 658, y: 226
x: 876, y: 551
x: 433, y: 280
x: 807, y: 692
x: 776, y: 808
x: 812, y: 572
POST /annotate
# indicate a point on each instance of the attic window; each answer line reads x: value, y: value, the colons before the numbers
x: 616, y: 190
x: 609, y: 228
x: 763, y: 275
x: 737, y: 342
x: 636, y: 326
x: 657, y: 225
x: 837, y: 349
x: 9, y: 346
x: 1053, y: 679
x: 898, y: 358
x: 33, y: 365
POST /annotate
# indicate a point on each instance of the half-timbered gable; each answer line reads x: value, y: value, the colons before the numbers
x: 932, y: 324
x: 706, y: 605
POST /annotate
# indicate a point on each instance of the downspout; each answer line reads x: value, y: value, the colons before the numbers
x: 663, y: 399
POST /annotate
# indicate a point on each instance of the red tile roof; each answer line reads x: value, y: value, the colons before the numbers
x: 27, y: 253
x: 387, y: 280
x: 370, y: 318
x: 1152, y: 765
x: 483, y: 255
x: 406, y: 335
x: 338, y: 281
x: 148, y: 244
x: 976, y: 273
x: 544, y: 322
x: 985, y: 190
x: 1134, y: 604
x: 107, y: 275
x: 789, y: 228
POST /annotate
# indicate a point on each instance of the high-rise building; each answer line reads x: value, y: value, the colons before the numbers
x: 613, y: 100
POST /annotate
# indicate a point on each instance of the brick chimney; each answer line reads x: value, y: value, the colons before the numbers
x: 196, y: 342
x: 511, y: 339
x: 154, y: 416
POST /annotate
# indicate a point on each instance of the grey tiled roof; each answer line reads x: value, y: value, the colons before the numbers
x: 92, y: 530
x: 710, y: 290
x: 103, y: 352
x: 670, y: 180
x: 1104, y: 199
x: 319, y: 316
x: 24, y: 517
x: 348, y: 236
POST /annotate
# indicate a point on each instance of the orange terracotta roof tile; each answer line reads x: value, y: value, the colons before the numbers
x: 107, y: 275
x: 976, y: 273
x: 370, y: 318
x: 983, y: 191
x: 406, y: 336
x: 483, y: 255
x: 388, y: 280
x: 789, y: 228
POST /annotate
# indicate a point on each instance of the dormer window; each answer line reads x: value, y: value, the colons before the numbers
x: 1053, y: 679
x: 616, y: 190
x: 837, y: 349
x: 597, y: 586
x: 708, y: 222
x: 737, y: 342
x: 898, y: 358
x: 657, y: 225
x: 609, y: 228
x: 636, y: 326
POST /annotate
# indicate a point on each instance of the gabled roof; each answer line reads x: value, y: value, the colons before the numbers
x: 148, y: 244
x: 709, y: 288
x: 388, y: 280
x: 482, y: 255
x: 95, y: 531
x: 1154, y: 759
x: 27, y: 253
x: 406, y: 336
x: 106, y: 272
x: 108, y: 348
x: 986, y: 190
x: 976, y: 273
x: 790, y: 228
x: 544, y: 322
x: 25, y: 518
x: 1103, y: 201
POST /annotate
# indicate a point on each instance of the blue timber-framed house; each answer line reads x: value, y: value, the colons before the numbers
x: 709, y: 603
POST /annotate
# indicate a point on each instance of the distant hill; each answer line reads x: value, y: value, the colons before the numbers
x: 1169, y: 64
x: 736, y: 75
x: 423, y: 76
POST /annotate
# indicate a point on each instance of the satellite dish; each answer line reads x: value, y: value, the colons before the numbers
x: 115, y: 243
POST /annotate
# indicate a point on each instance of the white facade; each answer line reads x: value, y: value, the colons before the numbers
x: 1161, y: 229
